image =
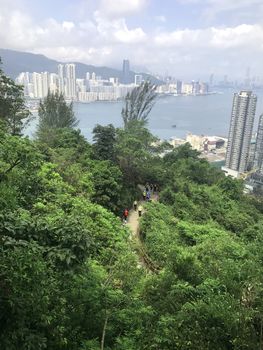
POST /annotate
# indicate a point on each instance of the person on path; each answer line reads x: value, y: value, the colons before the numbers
x: 148, y: 195
x: 135, y: 205
x: 140, y: 210
x: 144, y: 195
x: 125, y: 215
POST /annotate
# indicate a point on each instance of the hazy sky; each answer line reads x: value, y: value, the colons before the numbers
x: 186, y: 38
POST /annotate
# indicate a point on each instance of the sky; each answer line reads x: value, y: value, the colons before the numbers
x: 188, y: 39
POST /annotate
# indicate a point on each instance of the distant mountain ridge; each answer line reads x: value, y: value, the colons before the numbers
x: 15, y: 62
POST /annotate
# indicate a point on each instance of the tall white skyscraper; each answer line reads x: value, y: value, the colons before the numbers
x: 24, y: 79
x: 45, y: 83
x: 240, y: 132
x: 61, y: 84
x: 37, y: 85
x: 80, y: 85
x: 70, y: 80
x: 53, y: 82
x: 258, y: 157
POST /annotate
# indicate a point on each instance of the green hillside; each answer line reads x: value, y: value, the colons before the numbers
x: 74, y: 276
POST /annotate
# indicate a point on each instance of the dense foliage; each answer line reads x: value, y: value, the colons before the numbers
x: 13, y: 112
x: 70, y: 276
x: 54, y: 113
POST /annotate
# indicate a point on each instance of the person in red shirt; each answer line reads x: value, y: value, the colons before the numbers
x: 125, y: 215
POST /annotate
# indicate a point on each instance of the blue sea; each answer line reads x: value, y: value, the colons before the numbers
x: 201, y: 115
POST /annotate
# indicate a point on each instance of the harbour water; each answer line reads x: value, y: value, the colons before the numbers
x: 201, y: 115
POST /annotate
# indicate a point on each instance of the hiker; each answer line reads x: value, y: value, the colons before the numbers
x: 144, y: 195
x: 140, y: 210
x: 148, y: 195
x: 147, y: 187
x: 125, y: 215
x: 135, y: 205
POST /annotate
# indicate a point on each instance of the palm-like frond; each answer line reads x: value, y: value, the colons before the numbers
x: 139, y: 103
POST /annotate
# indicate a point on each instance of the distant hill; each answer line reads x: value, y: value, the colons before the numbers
x: 15, y: 62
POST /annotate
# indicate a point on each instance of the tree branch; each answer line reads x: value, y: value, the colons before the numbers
x: 104, y: 332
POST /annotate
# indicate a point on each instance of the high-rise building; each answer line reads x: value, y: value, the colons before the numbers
x: 24, y: 79
x: 45, y: 83
x: 258, y: 157
x: 126, y: 71
x: 196, y: 87
x: 179, y: 85
x: 204, y: 88
x: 138, y: 79
x: 70, y: 80
x: 80, y: 85
x: 37, y: 83
x: 61, y: 82
x: 53, y: 82
x: 211, y: 80
x: 187, y: 88
x: 240, y: 132
x: 114, y: 81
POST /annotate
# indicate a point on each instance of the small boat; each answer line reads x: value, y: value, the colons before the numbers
x: 174, y: 126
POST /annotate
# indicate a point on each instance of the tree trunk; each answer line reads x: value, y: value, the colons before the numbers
x: 260, y: 340
x: 104, y: 332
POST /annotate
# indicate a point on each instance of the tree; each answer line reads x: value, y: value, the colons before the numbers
x: 232, y: 188
x: 104, y: 138
x: 107, y: 180
x: 182, y: 152
x: 32, y: 312
x: 139, y: 103
x: 54, y: 113
x: 134, y: 150
x: 14, y: 115
x: 19, y: 163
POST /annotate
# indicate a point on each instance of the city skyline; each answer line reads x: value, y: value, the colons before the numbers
x: 182, y: 38
x: 93, y: 87
x: 11, y: 61
x: 87, y: 89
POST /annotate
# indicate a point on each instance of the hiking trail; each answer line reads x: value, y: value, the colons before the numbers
x: 134, y: 225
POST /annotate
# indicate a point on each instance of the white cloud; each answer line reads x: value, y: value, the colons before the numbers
x: 103, y: 40
x: 222, y: 50
x: 127, y: 36
x: 68, y: 25
x: 121, y: 8
x: 242, y: 36
x: 160, y: 18
x: 117, y: 31
x: 237, y: 10
x: 90, y: 55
